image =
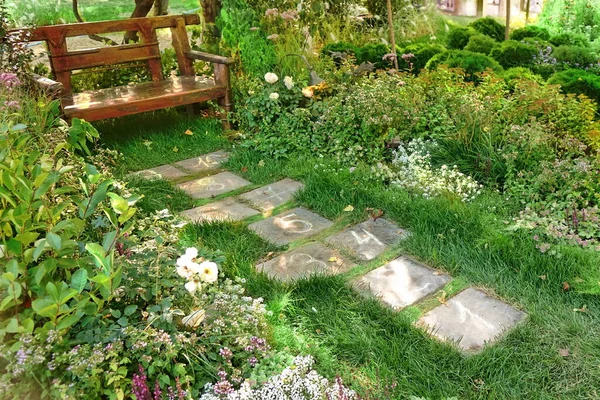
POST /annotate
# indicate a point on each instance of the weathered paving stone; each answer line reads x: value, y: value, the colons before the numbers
x: 291, y: 225
x: 312, y: 259
x: 215, y: 185
x: 202, y: 163
x: 164, y: 171
x: 401, y: 282
x: 369, y: 239
x: 471, y: 319
x: 268, y: 197
x: 226, y: 209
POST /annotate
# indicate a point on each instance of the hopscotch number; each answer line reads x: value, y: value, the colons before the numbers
x: 274, y: 195
x: 208, y: 162
x: 289, y: 224
x: 366, y: 240
x: 309, y: 259
x: 211, y: 185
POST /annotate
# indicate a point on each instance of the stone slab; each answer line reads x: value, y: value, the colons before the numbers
x: 204, y: 162
x: 164, y: 171
x: 224, y: 210
x: 298, y: 223
x: 401, y: 282
x: 210, y: 186
x: 471, y: 319
x: 369, y: 239
x: 312, y: 259
x: 268, y: 197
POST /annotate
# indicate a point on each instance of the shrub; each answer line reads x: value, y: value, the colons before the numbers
x: 513, y: 76
x: 379, y: 7
x: 472, y: 63
x: 339, y: 51
x: 575, y: 56
x: 373, y: 53
x: 514, y: 54
x: 530, y: 31
x: 578, y: 82
x: 481, y: 44
x: 458, y: 38
x: 422, y: 53
x: 569, y: 39
x: 489, y: 26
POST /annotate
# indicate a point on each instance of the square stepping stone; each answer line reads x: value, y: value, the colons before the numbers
x: 314, y: 258
x: 223, y: 210
x: 268, y: 197
x: 401, y: 282
x: 202, y: 163
x: 369, y: 239
x: 298, y: 223
x: 211, y: 186
x: 471, y: 319
x: 164, y: 171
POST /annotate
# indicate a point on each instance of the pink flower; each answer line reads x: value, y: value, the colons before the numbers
x: 273, y: 36
x: 271, y: 12
x: 12, y: 104
x: 254, y: 28
x: 9, y: 80
x: 289, y: 15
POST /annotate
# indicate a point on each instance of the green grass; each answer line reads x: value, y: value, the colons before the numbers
x: 371, y: 346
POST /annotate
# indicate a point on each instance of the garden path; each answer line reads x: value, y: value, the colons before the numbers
x: 469, y: 320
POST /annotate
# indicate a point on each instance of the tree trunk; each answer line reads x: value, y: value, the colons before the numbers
x: 392, y: 33
x: 480, y: 8
x: 210, y: 12
x: 142, y: 8
x: 527, y: 6
x: 507, y: 29
x: 161, y: 7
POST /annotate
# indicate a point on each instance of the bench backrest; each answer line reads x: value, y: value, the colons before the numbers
x: 63, y: 61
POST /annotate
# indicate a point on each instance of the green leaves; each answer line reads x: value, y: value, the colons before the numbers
x: 79, y: 280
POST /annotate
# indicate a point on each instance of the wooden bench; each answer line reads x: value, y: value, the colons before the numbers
x: 161, y: 92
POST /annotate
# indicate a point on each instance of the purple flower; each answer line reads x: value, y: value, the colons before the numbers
x: 226, y: 353
x: 407, y: 56
x: 9, y: 80
x: 139, y: 385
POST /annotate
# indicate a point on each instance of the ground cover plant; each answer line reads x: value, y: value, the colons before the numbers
x: 105, y: 292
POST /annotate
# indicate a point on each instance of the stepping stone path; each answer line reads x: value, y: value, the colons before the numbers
x: 227, y: 209
x: 298, y: 223
x: 401, y: 282
x: 369, y: 239
x: 178, y: 170
x: 470, y: 319
x: 311, y: 259
x: 211, y: 186
x: 271, y: 196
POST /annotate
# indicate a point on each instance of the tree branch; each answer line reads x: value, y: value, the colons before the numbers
x: 97, y: 38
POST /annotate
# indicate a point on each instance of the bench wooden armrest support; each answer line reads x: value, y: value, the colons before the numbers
x: 200, y: 55
x: 50, y: 87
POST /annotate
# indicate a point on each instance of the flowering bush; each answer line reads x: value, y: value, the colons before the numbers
x: 298, y: 381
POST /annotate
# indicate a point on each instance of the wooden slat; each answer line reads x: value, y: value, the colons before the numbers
x: 122, y: 25
x: 181, y: 44
x: 200, y: 55
x: 146, y: 96
x: 81, y: 59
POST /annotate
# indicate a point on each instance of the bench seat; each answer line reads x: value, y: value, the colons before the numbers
x: 146, y: 96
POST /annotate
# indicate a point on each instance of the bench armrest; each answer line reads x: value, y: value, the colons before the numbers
x: 50, y: 87
x: 200, y: 55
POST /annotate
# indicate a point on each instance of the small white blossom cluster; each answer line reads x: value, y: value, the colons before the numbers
x: 194, y: 272
x: 298, y: 381
x: 412, y: 170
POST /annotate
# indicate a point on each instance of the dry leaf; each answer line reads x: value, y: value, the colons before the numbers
x: 244, y: 169
x: 189, y: 133
x: 543, y: 277
x: 566, y: 286
x: 333, y: 259
x: 564, y: 352
x: 442, y: 299
x: 349, y: 208
x: 175, y: 149
x: 376, y: 214
x: 261, y: 163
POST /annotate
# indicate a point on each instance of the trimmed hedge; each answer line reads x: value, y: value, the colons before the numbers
x: 458, y: 38
x: 514, y: 54
x: 575, y: 56
x: 489, y: 26
x: 570, y: 39
x: 530, y: 31
x: 472, y: 63
x: 481, y: 43
x: 514, y: 75
x: 579, y: 82
x: 373, y: 53
x: 423, y: 52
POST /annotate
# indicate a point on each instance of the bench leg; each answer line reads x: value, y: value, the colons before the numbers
x: 227, y: 104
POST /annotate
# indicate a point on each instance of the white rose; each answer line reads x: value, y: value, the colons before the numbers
x: 307, y: 92
x: 288, y: 82
x: 271, y: 77
x: 209, y: 271
x: 191, y: 252
x: 192, y: 286
x: 274, y: 96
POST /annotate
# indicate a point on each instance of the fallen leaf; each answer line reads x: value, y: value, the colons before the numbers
x: 148, y: 144
x: 244, y: 169
x: 376, y: 214
x: 442, y: 298
x: 189, y: 133
x: 261, y: 163
x: 175, y: 149
x: 564, y: 352
x: 333, y: 259
x: 349, y: 208
x: 566, y: 286
x: 543, y: 277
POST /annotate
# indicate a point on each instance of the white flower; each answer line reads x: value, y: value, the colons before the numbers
x: 288, y: 82
x: 274, y: 96
x: 209, y: 271
x: 192, y: 286
x: 307, y: 92
x: 191, y: 252
x: 185, y: 271
x: 271, y: 77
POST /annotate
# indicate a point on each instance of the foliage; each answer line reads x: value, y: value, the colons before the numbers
x: 514, y: 54
x: 513, y: 76
x: 530, y: 31
x: 15, y: 56
x: 481, y: 44
x: 580, y: 17
x: 339, y: 51
x: 575, y: 56
x: 379, y: 7
x: 374, y: 54
x: 422, y: 53
x: 472, y: 63
x: 569, y: 39
x: 458, y: 38
x: 489, y: 26
x: 578, y: 82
